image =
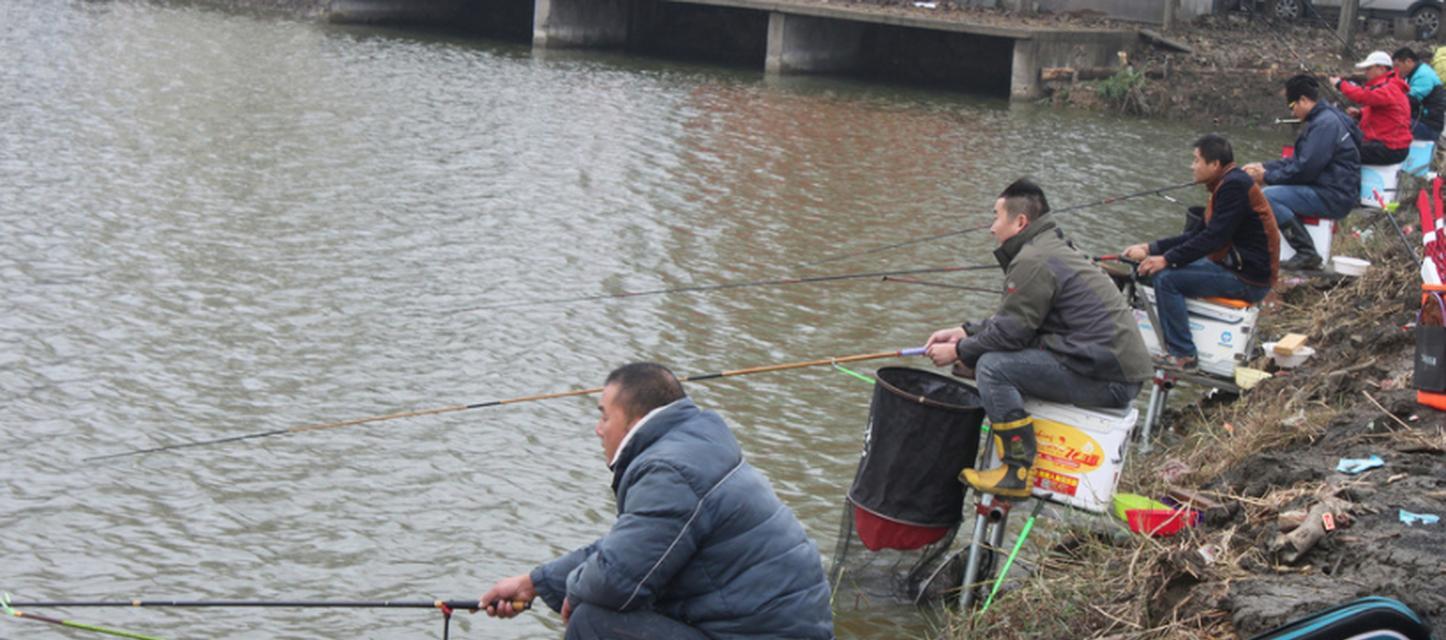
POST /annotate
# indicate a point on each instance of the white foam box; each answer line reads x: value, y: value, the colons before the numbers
x: 1322, y: 231
x: 1378, y: 178
x: 1081, y: 453
x: 1223, y: 335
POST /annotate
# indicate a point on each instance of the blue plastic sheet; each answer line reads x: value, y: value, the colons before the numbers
x: 1354, y: 466
x: 1409, y: 518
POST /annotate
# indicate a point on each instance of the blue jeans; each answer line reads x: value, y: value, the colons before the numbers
x: 1005, y: 377
x: 1198, y: 279
x: 591, y: 622
x: 1290, y: 200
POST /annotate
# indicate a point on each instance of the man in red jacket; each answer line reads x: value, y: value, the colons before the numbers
x: 1385, y: 112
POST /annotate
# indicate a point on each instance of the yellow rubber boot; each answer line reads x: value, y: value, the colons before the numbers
x: 1015, y: 478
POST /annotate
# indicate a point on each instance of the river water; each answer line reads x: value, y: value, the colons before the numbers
x: 214, y: 224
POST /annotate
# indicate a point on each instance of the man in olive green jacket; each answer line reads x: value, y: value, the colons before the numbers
x: 1063, y: 333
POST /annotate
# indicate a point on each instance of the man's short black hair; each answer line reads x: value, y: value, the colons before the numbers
x: 1024, y: 196
x: 1405, y: 53
x: 1215, y: 148
x: 1302, y: 86
x: 644, y: 386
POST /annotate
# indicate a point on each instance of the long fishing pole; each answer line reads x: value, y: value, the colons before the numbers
x: 940, y: 285
x: 455, y: 605
x: 9, y: 610
x: 941, y: 236
x: 902, y: 353
x: 437, y: 604
x: 732, y: 285
x: 447, y: 607
x: 896, y: 245
x: 1300, y: 59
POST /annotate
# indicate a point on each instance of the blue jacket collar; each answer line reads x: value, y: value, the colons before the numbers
x: 650, y: 432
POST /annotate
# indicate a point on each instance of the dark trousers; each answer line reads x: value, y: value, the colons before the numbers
x: 1375, y: 152
x: 590, y: 622
x: 1422, y: 131
x: 1005, y: 377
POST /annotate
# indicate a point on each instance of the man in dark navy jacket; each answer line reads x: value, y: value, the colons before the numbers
x: 1323, y: 177
x: 701, y: 548
x: 1236, y: 254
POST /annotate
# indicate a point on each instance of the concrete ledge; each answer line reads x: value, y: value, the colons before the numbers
x: 922, y: 22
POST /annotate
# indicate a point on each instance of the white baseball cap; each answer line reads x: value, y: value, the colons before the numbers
x: 1377, y: 58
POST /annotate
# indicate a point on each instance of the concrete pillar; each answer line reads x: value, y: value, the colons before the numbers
x: 1024, y: 78
x: 809, y: 44
x: 580, y: 23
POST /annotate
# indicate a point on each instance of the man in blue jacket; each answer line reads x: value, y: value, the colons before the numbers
x: 1428, y: 97
x: 1235, y: 255
x: 1322, y: 178
x: 701, y: 548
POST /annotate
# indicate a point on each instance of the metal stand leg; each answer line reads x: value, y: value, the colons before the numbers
x: 1159, y: 395
x: 1153, y: 408
x: 976, y: 548
x: 991, y: 518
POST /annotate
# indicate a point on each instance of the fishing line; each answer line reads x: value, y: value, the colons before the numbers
x: 902, y: 353
x: 729, y: 285
x: 941, y: 236
x: 941, y: 285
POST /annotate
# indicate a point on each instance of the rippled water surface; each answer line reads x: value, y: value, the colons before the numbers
x: 213, y: 225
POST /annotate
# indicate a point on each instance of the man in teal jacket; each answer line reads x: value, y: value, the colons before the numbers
x: 701, y: 548
x: 1428, y: 97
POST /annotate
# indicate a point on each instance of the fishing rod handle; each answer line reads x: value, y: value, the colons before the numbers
x: 517, y: 605
x: 916, y: 351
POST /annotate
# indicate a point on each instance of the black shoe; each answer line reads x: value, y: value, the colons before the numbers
x: 1302, y: 262
x: 1177, y: 363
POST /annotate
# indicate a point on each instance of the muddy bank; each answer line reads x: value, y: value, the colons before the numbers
x: 1264, y: 467
x: 1232, y: 74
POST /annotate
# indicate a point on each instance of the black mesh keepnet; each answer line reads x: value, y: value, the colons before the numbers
x: 923, y: 430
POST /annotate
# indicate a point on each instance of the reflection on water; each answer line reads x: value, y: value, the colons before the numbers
x: 214, y: 224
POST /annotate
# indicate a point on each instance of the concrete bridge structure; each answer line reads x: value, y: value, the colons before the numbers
x: 784, y: 36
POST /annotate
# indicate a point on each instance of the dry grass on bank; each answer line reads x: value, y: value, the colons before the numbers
x: 1258, y: 457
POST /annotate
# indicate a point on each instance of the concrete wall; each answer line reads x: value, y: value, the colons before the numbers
x: 1138, y: 10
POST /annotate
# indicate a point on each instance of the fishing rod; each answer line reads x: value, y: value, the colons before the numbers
x: 902, y: 353
x: 731, y: 285
x: 441, y: 605
x: 896, y: 245
x: 938, y: 284
x: 941, y: 236
x: 447, y: 607
x: 1400, y: 232
x: 7, y: 609
x: 1300, y: 59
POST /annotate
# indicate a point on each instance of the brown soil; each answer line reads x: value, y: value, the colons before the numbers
x: 1264, y: 458
x: 1238, y: 64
